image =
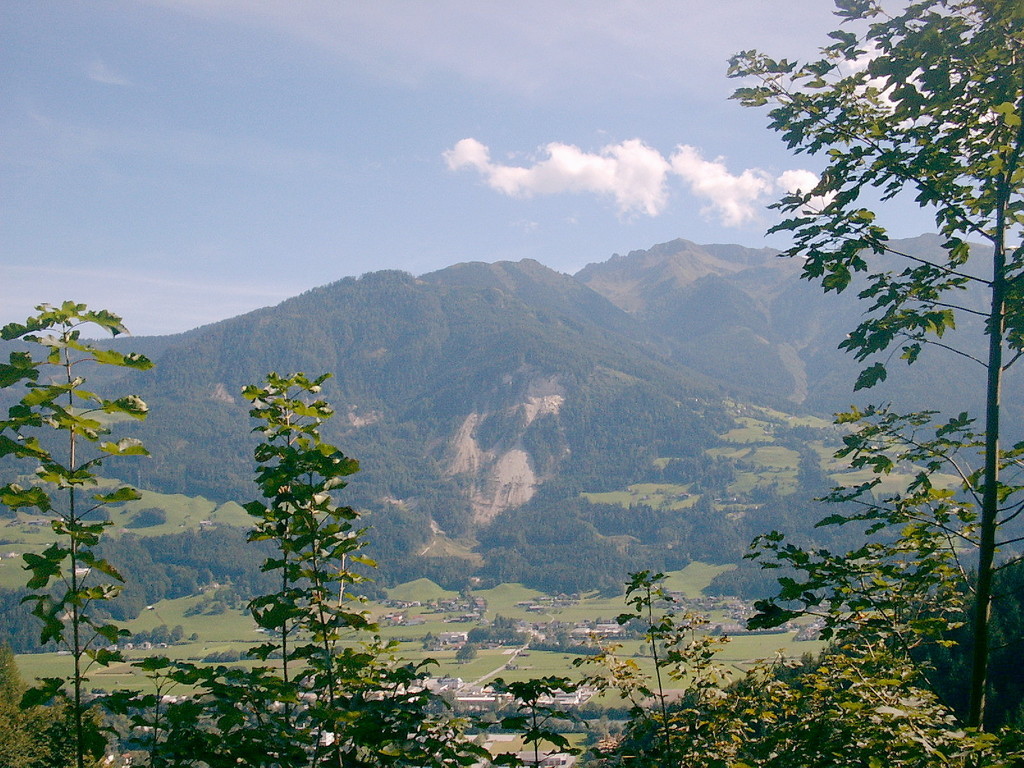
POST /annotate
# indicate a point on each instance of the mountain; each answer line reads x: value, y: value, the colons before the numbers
x: 744, y: 316
x: 515, y: 423
x: 466, y: 395
x: 716, y: 307
x: 468, y: 360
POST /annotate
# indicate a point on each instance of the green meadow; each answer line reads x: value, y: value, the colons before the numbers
x: 657, y: 495
x: 32, y: 533
x: 235, y: 631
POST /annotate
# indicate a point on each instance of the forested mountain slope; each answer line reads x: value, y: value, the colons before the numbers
x: 496, y: 409
x: 744, y: 316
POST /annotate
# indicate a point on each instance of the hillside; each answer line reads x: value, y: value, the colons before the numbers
x: 744, y: 316
x: 517, y: 424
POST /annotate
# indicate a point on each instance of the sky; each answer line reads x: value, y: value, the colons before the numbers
x: 179, y: 162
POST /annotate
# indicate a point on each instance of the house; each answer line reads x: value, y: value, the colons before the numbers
x: 547, y: 759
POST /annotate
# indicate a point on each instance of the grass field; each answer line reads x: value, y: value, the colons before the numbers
x: 656, y: 495
x: 503, y: 598
x: 751, y: 445
x: 227, y: 627
x: 740, y: 652
x: 694, y: 578
x: 234, y: 630
x: 750, y: 431
x: 32, y: 533
x: 422, y: 590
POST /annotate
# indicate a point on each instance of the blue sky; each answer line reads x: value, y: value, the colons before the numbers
x: 183, y: 161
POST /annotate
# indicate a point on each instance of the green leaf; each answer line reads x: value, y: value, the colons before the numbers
x: 43, y: 693
x: 131, y: 405
x: 15, y: 497
x: 105, y: 657
x: 1008, y: 111
x: 152, y: 663
x: 126, y: 446
x: 21, y: 367
x: 870, y: 376
x: 43, y: 567
x: 124, y: 493
x: 770, y: 615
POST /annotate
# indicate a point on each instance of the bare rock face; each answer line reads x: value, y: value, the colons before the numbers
x: 502, y: 475
x: 357, y: 418
x: 220, y: 394
x: 468, y: 458
x: 543, y: 396
x: 509, y: 483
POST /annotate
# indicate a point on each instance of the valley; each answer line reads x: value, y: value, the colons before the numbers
x: 524, y: 444
x: 410, y: 612
x: 427, y: 622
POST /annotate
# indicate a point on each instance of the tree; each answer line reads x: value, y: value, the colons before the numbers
x: 332, y: 699
x: 700, y: 724
x: 535, y: 714
x: 58, y: 425
x: 859, y: 704
x: 20, y: 744
x: 927, y: 102
x: 314, y: 539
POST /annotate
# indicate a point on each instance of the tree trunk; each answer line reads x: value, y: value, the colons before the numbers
x: 990, y: 497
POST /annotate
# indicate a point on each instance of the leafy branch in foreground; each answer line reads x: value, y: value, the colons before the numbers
x: 297, y: 472
x: 59, y: 426
x: 342, y: 700
x: 926, y: 102
x: 536, y: 714
x: 685, y: 714
x: 861, y: 703
x: 319, y: 693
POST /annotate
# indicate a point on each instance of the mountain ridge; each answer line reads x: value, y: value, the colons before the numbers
x: 485, y: 399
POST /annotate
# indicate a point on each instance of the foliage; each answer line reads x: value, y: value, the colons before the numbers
x: 18, y: 630
x: 147, y: 518
x: 902, y: 587
x: 21, y: 744
x: 535, y: 714
x: 860, y: 704
x: 501, y: 631
x: 316, y: 693
x: 358, y: 704
x: 699, y: 724
x: 929, y: 102
x: 179, y: 564
x: 66, y: 578
x: 947, y: 666
x: 313, y: 537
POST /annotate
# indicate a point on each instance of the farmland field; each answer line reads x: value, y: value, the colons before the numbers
x: 233, y: 632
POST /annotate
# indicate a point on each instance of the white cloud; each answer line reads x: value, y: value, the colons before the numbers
x: 636, y: 176
x: 798, y: 181
x: 631, y: 172
x: 99, y: 72
x: 803, y: 182
x: 536, y: 46
x: 733, y: 199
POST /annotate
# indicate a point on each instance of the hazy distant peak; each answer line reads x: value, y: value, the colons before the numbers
x: 753, y: 257
x: 631, y: 281
x: 500, y: 274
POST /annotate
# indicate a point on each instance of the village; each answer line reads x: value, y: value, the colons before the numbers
x: 544, y: 630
